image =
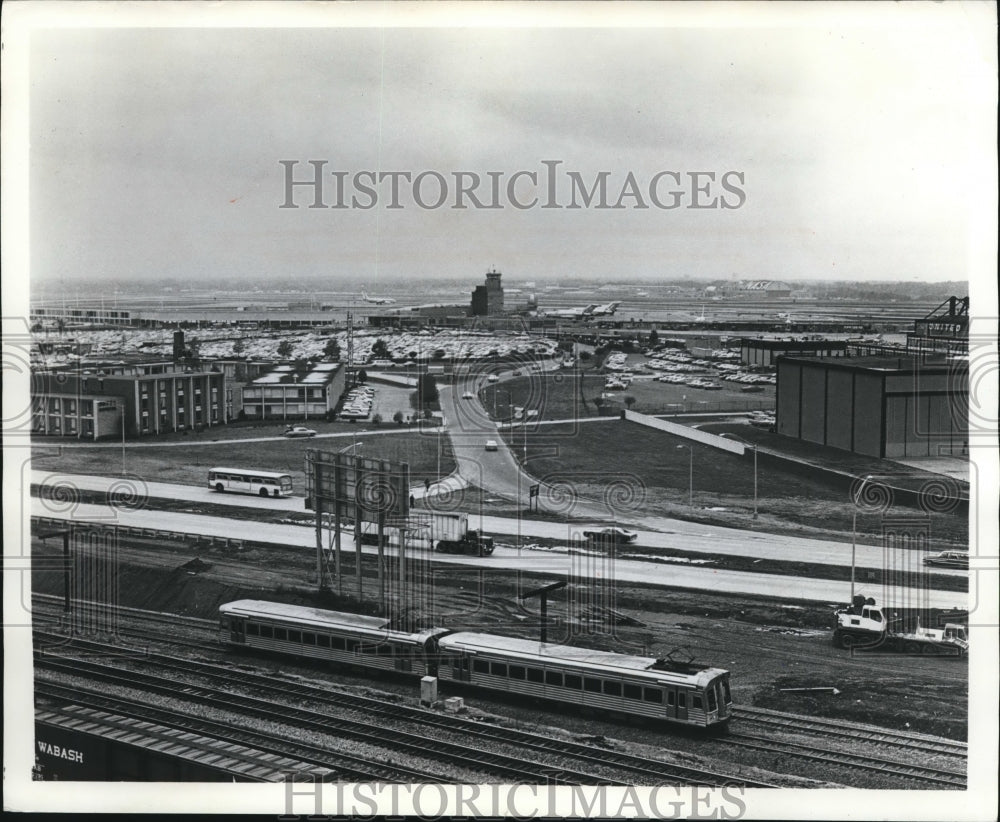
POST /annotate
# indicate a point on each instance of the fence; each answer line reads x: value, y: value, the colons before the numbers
x: 713, y: 440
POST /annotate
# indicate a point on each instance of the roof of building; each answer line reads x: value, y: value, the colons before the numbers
x: 883, y: 365
x: 318, y: 374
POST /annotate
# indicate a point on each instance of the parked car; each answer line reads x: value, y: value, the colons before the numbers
x: 468, y: 395
x: 299, y: 431
x: 491, y: 445
x: 948, y: 559
x: 613, y: 534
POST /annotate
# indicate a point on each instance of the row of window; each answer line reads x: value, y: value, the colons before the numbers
x: 335, y: 643
x: 585, y: 683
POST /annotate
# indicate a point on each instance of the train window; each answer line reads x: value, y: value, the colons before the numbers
x: 592, y: 685
x: 713, y: 703
x: 670, y: 697
x: 573, y: 681
x: 252, y: 629
x: 266, y: 631
x: 681, y: 700
x: 351, y: 644
x: 613, y: 688
x: 280, y: 633
x: 294, y: 636
x: 725, y: 691
x: 696, y: 701
x: 308, y: 639
x: 633, y: 692
x: 498, y: 669
x: 516, y: 672
x: 337, y: 643
x: 480, y: 666
x: 535, y: 675
x: 553, y: 678
x: 323, y: 640
x: 652, y: 695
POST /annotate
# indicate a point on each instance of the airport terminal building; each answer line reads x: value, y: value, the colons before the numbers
x: 894, y: 407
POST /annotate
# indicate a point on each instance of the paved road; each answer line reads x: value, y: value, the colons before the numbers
x: 782, y: 588
x: 673, y: 534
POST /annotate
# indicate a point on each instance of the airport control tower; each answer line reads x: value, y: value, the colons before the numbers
x: 487, y: 300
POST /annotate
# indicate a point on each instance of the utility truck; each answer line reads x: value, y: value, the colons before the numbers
x: 864, y: 625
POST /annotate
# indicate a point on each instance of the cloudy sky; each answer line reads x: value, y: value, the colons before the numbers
x: 155, y: 152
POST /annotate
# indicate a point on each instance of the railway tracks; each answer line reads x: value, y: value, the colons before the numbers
x: 345, y: 765
x: 852, y: 730
x: 452, y: 753
x: 643, y: 770
x: 934, y: 775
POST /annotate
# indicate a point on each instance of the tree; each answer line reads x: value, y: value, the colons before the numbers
x: 598, y: 403
x: 376, y: 419
x: 585, y: 356
x: 285, y: 349
x: 629, y: 400
x: 332, y: 349
x: 654, y: 338
x: 362, y: 375
x: 239, y: 347
x: 379, y: 349
x: 398, y: 418
x: 427, y: 388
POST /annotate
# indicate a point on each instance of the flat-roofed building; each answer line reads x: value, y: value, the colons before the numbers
x: 287, y: 392
x: 878, y: 406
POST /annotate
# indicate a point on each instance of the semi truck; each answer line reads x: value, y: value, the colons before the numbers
x: 455, y: 536
x: 863, y: 624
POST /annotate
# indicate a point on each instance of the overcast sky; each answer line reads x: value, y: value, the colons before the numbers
x: 155, y: 152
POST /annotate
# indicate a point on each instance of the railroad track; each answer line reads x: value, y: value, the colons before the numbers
x: 853, y: 730
x: 345, y: 765
x: 937, y: 776
x: 452, y: 753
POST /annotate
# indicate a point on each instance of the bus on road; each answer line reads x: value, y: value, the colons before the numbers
x: 250, y: 481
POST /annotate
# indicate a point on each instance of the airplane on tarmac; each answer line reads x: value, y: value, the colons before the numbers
x: 377, y: 300
x: 592, y: 310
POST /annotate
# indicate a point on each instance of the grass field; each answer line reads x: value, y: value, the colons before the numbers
x: 595, y: 455
x: 190, y: 465
x: 558, y: 396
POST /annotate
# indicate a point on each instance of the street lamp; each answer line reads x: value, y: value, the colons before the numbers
x: 755, y: 481
x: 854, y: 530
x: 353, y: 445
x: 690, y: 474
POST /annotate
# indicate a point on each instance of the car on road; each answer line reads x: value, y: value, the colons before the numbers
x: 614, y: 534
x: 493, y: 378
x: 491, y: 445
x: 299, y: 431
x: 948, y: 559
x: 468, y: 395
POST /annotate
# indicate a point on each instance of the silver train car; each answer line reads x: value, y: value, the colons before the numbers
x: 602, y: 680
x: 631, y: 686
x: 351, y: 639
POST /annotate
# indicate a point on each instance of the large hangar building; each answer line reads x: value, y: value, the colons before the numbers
x: 894, y: 407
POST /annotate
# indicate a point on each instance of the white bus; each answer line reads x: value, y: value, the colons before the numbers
x: 250, y: 481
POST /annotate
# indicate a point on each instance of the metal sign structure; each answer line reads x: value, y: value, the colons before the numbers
x: 354, y: 489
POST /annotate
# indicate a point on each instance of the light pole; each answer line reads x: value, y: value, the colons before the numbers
x: 690, y: 451
x: 755, y: 481
x: 353, y: 445
x: 854, y: 531
x: 123, y: 440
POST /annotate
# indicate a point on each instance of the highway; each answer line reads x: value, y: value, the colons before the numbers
x: 782, y: 588
x: 672, y: 534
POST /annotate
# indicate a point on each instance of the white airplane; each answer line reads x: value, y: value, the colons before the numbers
x: 377, y: 300
x: 592, y: 310
x: 605, y: 310
x: 572, y: 313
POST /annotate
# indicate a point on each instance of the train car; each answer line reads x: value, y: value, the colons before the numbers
x: 675, y: 692
x: 350, y: 639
